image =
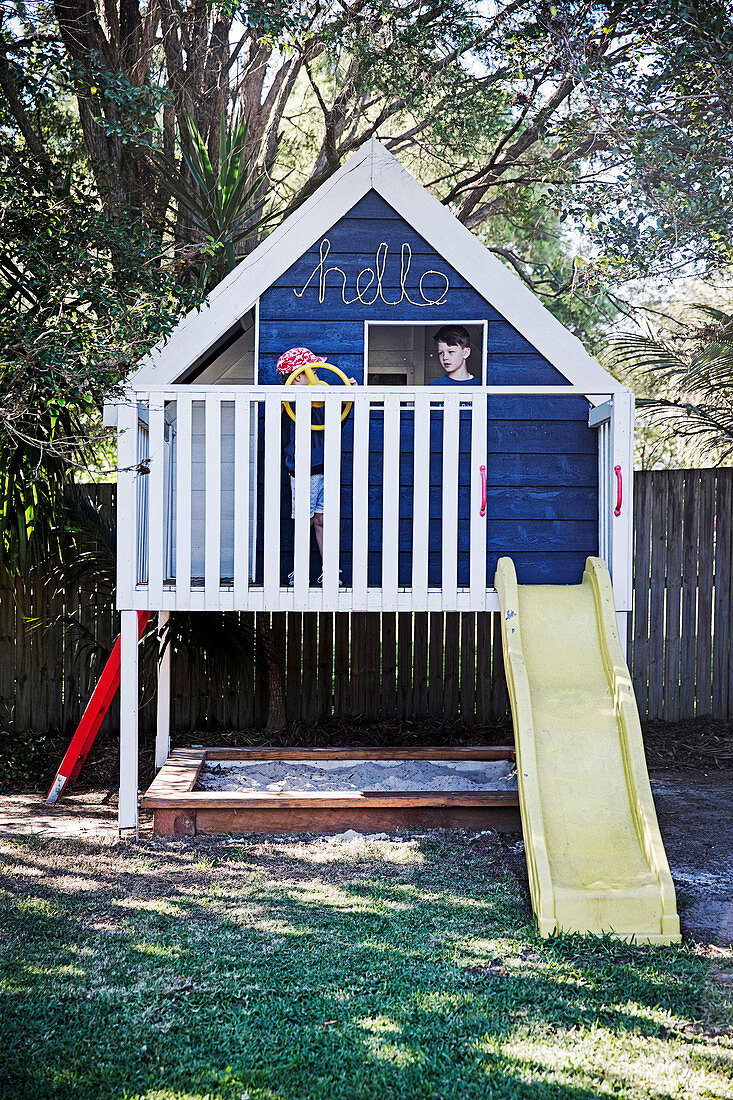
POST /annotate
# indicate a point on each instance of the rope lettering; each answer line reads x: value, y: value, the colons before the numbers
x: 375, y: 275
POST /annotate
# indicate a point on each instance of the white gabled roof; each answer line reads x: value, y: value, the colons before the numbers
x: 372, y: 167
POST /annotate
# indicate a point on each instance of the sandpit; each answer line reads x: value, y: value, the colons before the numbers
x: 273, y: 790
x: 277, y: 776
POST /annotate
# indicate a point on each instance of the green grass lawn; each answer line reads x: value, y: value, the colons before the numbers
x: 296, y: 970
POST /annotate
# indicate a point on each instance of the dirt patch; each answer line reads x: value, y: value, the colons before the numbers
x: 90, y: 815
x: 694, y: 817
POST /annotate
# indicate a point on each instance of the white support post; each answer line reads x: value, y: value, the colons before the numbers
x: 331, y: 499
x: 449, y: 533
x: 390, y: 501
x: 360, y: 521
x: 212, y: 550
x: 242, y: 534
x: 163, y: 717
x: 156, y: 502
x: 478, y: 522
x: 127, y: 517
x: 127, y: 807
x: 421, y: 502
x: 183, y: 500
x: 273, y: 446
x: 302, y: 532
x: 622, y: 462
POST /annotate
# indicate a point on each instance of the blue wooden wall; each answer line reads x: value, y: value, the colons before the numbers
x: 542, y: 470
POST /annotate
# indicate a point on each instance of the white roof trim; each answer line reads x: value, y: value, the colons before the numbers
x: 371, y: 167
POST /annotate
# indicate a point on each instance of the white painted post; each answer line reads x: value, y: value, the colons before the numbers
x: 421, y: 502
x: 302, y: 533
x: 241, y: 498
x: 212, y: 553
x: 156, y: 502
x: 163, y: 716
x: 273, y: 452
x: 360, y: 506
x: 478, y: 522
x: 127, y: 807
x: 600, y: 417
x: 449, y: 533
x: 390, y: 501
x: 126, y: 503
x: 331, y: 499
x: 622, y: 455
x: 183, y: 500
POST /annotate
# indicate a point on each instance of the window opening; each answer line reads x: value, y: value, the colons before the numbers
x: 401, y: 353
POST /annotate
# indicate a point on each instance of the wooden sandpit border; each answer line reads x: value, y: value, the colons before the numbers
x: 179, y: 810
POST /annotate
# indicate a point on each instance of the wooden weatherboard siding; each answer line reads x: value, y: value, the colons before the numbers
x: 542, y: 462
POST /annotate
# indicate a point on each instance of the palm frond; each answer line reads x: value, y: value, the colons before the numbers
x: 689, y: 378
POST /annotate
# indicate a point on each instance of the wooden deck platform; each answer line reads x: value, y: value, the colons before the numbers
x: 179, y: 810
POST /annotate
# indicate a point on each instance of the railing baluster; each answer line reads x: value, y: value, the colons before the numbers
x: 273, y: 452
x: 191, y: 519
x: 302, y: 534
x: 449, y: 532
x: 421, y: 502
x: 156, y: 502
x: 331, y: 500
x: 127, y: 518
x: 212, y: 556
x: 360, y: 523
x: 183, y: 500
x: 478, y: 522
x: 390, y: 500
x: 241, y: 498
x: 141, y: 496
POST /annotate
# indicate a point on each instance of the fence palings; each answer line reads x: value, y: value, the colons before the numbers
x: 438, y: 665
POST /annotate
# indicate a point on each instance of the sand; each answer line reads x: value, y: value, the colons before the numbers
x: 358, y: 775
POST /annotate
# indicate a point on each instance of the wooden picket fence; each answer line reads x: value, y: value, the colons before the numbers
x: 439, y: 665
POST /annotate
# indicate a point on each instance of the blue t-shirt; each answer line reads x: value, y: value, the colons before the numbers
x: 445, y: 380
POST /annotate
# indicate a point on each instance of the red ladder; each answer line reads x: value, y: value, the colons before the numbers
x: 93, y: 716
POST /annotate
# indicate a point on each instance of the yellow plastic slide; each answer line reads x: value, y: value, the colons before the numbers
x: 595, y: 856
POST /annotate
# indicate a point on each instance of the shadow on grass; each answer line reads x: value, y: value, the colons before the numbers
x: 290, y: 973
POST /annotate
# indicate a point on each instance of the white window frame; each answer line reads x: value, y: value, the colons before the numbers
x: 480, y: 321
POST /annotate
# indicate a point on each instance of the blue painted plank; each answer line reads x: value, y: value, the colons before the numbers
x: 522, y: 370
x: 503, y: 503
x: 330, y: 337
x: 372, y: 205
x: 353, y: 264
x: 504, y: 339
x: 460, y: 306
x: 543, y: 469
x: 358, y: 236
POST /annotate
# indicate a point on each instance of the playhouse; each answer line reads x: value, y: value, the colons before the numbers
x: 426, y: 487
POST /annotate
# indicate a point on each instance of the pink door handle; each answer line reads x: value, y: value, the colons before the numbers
x: 483, y: 490
x: 619, y: 490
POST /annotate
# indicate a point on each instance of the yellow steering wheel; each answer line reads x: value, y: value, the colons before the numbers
x: 309, y: 370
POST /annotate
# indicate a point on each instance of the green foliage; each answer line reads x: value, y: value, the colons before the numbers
x: 225, y: 201
x: 83, y: 298
x: 126, y: 110
x: 656, y: 195
x: 22, y: 759
x: 687, y: 373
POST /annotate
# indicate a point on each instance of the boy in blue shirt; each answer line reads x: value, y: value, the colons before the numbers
x: 453, y: 347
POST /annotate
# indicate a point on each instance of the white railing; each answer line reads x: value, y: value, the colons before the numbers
x: 189, y: 540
